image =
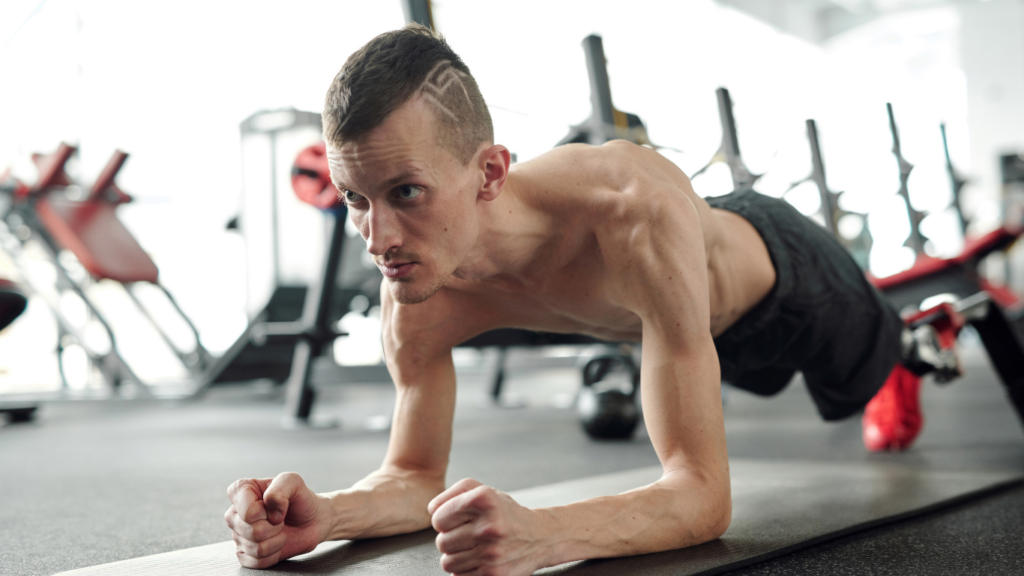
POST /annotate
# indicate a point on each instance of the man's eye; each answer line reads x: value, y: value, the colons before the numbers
x: 351, y: 196
x: 409, y: 192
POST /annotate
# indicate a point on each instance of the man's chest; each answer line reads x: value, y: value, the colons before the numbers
x: 569, y: 300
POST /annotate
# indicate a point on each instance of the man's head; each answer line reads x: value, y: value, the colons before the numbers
x: 410, y: 147
x: 392, y: 69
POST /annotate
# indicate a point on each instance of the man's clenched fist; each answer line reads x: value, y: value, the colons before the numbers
x: 483, y: 531
x: 272, y: 519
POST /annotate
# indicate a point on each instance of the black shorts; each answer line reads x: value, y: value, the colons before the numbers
x: 822, y: 317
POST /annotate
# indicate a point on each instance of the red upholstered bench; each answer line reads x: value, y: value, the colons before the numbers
x: 997, y: 327
x: 90, y: 228
x: 958, y: 275
x: 51, y: 213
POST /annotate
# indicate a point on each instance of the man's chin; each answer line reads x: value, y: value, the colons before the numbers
x: 405, y: 292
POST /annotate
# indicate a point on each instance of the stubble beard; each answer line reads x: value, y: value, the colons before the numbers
x: 403, y: 292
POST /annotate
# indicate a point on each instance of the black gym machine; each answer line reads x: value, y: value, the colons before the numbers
x: 12, y: 304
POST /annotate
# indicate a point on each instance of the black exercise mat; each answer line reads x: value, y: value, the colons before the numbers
x: 778, y: 507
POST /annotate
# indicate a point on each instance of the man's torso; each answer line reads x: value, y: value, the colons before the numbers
x: 588, y: 202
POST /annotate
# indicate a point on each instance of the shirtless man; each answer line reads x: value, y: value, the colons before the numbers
x: 609, y: 241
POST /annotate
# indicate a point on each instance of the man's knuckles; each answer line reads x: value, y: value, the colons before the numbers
x: 482, y: 499
x: 490, y: 554
x: 480, y: 560
x: 456, y: 541
x: 244, y: 485
x: 464, y: 485
x: 233, y: 488
x: 446, y: 544
x: 445, y: 498
x: 253, y: 512
x: 257, y: 531
x: 264, y: 530
x: 249, y: 562
x: 235, y: 524
x: 260, y: 531
x: 289, y: 479
x: 259, y: 549
x: 491, y: 532
x: 455, y: 564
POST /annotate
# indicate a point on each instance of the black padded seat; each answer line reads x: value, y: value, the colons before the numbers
x: 12, y: 302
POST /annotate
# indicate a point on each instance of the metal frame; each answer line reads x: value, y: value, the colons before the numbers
x: 729, y: 150
x: 418, y: 11
x: 956, y: 182
x: 831, y: 213
x: 605, y: 122
x: 312, y: 334
x: 916, y: 240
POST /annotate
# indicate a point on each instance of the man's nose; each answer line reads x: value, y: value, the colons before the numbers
x: 381, y: 231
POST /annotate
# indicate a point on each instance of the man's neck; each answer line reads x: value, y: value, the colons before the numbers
x: 512, y: 233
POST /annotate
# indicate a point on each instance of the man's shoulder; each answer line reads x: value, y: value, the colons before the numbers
x: 581, y: 177
x: 596, y: 160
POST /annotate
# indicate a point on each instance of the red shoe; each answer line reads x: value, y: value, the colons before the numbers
x: 893, y: 419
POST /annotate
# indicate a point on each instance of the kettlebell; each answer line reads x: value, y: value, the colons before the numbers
x: 606, y: 411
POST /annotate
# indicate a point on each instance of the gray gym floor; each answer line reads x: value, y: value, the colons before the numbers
x: 89, y: 483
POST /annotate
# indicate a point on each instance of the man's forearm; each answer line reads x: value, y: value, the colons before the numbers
x: 677, y: 511
x: 387, y: 502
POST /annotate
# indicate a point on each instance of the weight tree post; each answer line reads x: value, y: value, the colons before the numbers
x: 916, y: 239
x: 602, y: 120
x: 729, y: 151
x: 956, y: 181
x: 605, y: 122
x: 829, y: 199
x: 418, y: 11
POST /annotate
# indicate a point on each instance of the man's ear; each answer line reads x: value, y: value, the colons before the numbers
x: 495, y: 162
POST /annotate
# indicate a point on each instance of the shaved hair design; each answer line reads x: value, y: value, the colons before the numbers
x: 442, y: 78
x: 393, y: 68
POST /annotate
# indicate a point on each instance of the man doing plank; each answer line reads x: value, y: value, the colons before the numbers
x: 609, y: 241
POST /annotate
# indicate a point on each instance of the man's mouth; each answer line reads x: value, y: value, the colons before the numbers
x: 395, y: 270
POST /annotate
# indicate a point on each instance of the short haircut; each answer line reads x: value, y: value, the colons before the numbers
x: 393, y: 68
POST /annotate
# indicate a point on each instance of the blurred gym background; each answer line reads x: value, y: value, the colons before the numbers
x: 172, y: 83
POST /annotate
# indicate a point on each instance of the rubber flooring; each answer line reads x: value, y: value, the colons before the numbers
x: 89, y: 483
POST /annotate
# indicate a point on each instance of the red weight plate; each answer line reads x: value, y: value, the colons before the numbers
x: 311, y: 178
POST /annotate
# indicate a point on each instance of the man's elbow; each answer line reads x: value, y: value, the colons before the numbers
x: 711, y: 517
x: 691, y: 529
x: 720, y: 518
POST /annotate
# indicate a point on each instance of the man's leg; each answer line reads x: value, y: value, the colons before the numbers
x: 764, y: 382
x: 892, y: 419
